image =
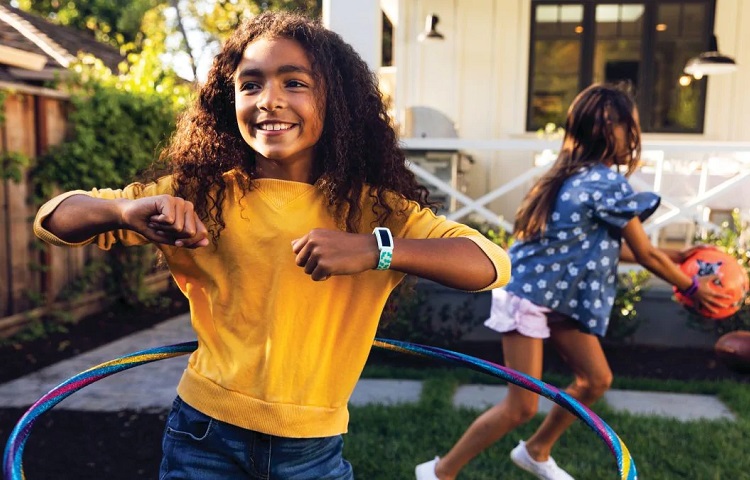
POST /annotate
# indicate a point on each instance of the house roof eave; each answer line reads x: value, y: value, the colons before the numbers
x: 42, y: 41
x: 15, y: 57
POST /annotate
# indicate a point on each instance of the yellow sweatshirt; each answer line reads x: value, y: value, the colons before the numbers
x: 277, y: 352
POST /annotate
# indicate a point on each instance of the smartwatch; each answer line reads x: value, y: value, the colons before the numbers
x: 385, y: 246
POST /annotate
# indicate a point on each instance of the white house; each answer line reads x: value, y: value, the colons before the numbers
x: 505, y: 68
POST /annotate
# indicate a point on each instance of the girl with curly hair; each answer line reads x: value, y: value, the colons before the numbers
x: 286, y: 215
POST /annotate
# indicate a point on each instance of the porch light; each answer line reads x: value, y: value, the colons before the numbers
x: 710, y: 63
x: 430, y: 29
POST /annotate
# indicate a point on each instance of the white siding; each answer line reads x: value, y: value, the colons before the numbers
x: 728, y: 102
x: 478, y: 76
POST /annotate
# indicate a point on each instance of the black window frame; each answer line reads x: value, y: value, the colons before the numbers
x: 648, y: 42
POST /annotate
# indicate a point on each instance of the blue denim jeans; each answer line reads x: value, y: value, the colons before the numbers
x: 197, y: 446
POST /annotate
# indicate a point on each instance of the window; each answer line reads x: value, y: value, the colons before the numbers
x: 646, y: 43
x: 386, y: 50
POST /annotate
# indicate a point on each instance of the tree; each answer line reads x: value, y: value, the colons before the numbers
x: 172, y: 30
x: 217, y: 19
x: 111, y: 21
x: 224, y: 16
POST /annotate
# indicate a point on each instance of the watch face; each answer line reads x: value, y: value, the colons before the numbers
x: 385, y: 239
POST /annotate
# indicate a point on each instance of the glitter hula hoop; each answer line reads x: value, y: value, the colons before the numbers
x: 13, y: 455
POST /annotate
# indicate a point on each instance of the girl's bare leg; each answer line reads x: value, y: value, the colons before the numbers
x: 519, y: 406
x: 584, y: 354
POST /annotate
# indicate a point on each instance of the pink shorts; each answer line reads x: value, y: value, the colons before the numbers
x: 510, y: 312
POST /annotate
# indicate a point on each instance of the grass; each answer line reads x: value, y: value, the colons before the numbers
x: 387, y: 442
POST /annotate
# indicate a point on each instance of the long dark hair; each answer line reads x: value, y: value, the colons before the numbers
x: 589, y: 139
x: 358, y: 145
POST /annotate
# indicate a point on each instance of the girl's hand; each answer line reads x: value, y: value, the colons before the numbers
x: 164, y: 219
x: 708, y: 297
x: 323, y: 253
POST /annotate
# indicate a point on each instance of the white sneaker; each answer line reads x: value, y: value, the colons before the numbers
x: 426, y: 470
x: 543, y: 470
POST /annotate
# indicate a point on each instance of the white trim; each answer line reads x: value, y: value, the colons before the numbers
x: 21, y: 58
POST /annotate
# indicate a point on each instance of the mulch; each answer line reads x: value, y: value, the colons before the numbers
x: 127, y: 445
x: 21, y: 357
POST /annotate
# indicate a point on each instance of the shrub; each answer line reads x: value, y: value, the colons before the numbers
x: 624, y: 321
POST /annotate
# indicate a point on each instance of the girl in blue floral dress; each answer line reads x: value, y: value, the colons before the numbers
x: 571, y: 230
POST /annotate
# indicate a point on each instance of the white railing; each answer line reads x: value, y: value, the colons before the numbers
x: 670, y: 168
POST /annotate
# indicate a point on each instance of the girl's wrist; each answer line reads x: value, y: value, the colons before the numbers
x: 118, y: 212
x: 690, y: 291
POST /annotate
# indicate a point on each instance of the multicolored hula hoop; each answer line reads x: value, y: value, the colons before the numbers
x: 13, y: 456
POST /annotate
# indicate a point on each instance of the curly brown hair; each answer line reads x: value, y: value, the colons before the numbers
x: 357, y: 148
x: 589, y: 139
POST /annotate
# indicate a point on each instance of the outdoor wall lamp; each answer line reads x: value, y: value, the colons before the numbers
x: 430, y: 29
x: 710, y: 63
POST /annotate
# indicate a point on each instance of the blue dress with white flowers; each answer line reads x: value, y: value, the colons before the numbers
x: 572, y: 268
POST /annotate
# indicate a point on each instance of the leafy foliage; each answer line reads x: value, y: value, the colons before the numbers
x: 118, y: 22
x: 498, y: 236
x: 117, y: 125
x: 221, y: 17
x: 111, y: 21
x: 176, y: 32
x: 12, y: 166
x: 624, y: 321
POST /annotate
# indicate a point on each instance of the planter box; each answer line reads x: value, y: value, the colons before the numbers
x: 81, y: 307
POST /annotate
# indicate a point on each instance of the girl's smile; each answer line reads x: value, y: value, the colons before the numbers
x: 278, y: 109
x: 273, y: 128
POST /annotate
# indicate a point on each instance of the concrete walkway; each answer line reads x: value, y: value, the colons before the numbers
x: 151, y: 388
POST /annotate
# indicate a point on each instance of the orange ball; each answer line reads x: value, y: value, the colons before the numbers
x: 733, y: 280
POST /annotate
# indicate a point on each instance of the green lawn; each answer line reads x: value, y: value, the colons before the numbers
x: 387, y: 442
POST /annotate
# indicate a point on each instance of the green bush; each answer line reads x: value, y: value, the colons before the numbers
x: 114, y: 135
x: 624, y: 321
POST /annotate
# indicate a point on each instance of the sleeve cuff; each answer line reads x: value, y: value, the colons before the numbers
x: 45, y: 211
x: 499, y: 258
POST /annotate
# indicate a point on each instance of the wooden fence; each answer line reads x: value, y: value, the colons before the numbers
x: 35, y: 119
